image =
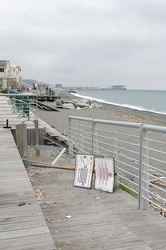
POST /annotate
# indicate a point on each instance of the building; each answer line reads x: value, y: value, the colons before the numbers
x: 118, y: 87
x: 58, y: 86
x: 10, y: 75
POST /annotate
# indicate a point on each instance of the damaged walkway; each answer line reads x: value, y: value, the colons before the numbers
x: 7, y: 115
x: 77, y: 218
x: 81, y: 219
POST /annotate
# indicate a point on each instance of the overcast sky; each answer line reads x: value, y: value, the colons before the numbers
x: 86, y: 42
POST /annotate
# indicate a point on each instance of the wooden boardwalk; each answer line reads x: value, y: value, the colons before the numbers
x: 99, y: 220
x: 22, y: 224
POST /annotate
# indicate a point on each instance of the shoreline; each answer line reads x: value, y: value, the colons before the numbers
x: 154, y: 116
x: 105, y: 103
x: 130, y: 106
x: 59, y: 120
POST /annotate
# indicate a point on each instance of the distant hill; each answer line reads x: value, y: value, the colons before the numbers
x: 31, y: 81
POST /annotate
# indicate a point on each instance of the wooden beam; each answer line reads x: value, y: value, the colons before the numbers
x: 44, y: 165
x: 37, y: 135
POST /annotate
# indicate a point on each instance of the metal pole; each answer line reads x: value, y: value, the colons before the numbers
x: 143, y: 202
x: 58, y: 157
x: 93, y: 129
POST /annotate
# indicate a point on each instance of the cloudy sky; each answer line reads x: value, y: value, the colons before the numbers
x: 86, y: 42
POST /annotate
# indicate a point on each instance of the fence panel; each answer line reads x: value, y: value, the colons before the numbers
x: 80, y: 136
x: 122, y: 142
x: 153, y: 168
x: 138, y: 150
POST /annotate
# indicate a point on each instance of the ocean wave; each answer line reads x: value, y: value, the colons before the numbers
x: 139, y: 108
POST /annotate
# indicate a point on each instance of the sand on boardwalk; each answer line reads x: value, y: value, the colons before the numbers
x: 59, y: 120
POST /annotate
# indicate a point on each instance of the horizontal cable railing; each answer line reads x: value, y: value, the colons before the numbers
x: 138, y: 151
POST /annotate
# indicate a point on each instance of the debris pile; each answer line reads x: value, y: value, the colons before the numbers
x: 39, y: 194
x: 31, y: 173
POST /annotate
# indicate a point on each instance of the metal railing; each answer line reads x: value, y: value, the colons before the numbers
x: 18, y: 108
x: 20, y: 105
x: 139, y: 151
x: 23, y: 106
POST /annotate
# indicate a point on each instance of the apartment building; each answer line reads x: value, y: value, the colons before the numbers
x: 10, y: 75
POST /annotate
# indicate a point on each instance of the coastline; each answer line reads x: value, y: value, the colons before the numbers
x: 59, y: 120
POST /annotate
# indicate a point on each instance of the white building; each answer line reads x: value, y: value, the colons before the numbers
x: 10, y: 75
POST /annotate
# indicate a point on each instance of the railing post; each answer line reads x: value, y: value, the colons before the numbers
x: 94, y: 138
x: 81, y: 140
x: 93, y: 135
x: 114, y: 151
x: 114, y: 145
x: 70, y: 142
x: 143, y: 201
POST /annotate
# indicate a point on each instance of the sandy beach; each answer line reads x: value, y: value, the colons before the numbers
x: 59, y: 120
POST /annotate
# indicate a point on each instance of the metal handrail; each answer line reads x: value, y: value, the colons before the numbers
x: 135, y: 154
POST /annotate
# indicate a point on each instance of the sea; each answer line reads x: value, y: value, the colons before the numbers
x: 145, y: 100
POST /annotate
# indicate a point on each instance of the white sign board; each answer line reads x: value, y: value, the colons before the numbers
x: 104, y: 169
x: 83, y: 170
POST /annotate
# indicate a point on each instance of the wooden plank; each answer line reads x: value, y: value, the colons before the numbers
x: 41, y: 245
x: 23, y: 232
x: 20, y: 219
x: 22, y: 224
x: 21, y: 139
x: 30, y: 242
x: 37, y: 136
x: 24, y: 140
x: 44, y: 165
x: 46, y: 106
